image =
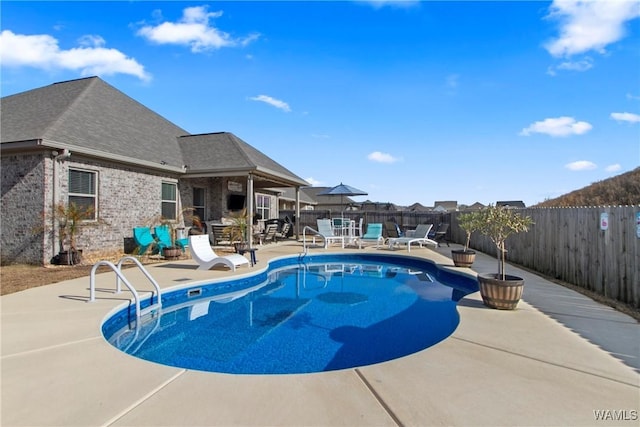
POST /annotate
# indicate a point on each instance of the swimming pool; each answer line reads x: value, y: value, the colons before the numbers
x: 304, y: 314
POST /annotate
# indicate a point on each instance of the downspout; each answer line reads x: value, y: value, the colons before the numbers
x: 57, y: 157
x: 53, y: 204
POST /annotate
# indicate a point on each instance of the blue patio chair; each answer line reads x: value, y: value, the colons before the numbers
x: 143, y: 239
x: 373, y: 234
x: 163, y: 234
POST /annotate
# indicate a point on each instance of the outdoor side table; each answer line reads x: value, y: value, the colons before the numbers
x: 252, y: 254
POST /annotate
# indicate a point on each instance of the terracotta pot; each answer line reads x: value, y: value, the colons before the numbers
x: 462, y: 258
x: 498, y: 293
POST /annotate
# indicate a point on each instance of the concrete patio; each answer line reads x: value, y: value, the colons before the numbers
x: 558, y: 359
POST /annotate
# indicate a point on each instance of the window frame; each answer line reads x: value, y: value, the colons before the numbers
x: 200, y: 208
x: 165, y: 202
x: 260, y: 207
x: 94, y: 196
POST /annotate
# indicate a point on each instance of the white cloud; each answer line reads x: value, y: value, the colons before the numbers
x: 313, y: 182
x: 272, y: 101
x: 613, y: 168
x: 193, y: 30
x: 378, y: 4
x: 589, y: 25
x: 632, y: 96
x: 560, y: 126
x: 581, y: 165
x: 380, y: 157
x: 626, y: 117
x: 42, y: 51
x: 91, y: 40
x: 580, y: 66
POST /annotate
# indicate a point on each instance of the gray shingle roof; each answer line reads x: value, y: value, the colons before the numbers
x: 224, y: 154
x: 288, y: 193
x: 327, y: 200
x: 92, y: 115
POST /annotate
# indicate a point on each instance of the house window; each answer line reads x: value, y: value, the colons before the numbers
x: 82, y: 191
x: 169, y: 200
x: 198, y: 203
x: 263, y: 206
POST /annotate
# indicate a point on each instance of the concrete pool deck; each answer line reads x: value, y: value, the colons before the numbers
x: 556, y: 360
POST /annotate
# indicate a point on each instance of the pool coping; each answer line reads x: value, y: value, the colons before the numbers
x: 525, y: 367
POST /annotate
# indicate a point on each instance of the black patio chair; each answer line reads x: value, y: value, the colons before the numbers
x: 441, y: 234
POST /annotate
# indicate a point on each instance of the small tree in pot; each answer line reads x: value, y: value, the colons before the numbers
x: 169, y: 243
x: 500, y: 290
x: 469, y: 223
x: 70, y: 218
x: 237, y: 229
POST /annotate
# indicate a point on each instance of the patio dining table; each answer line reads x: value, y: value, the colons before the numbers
x: 345, y: 227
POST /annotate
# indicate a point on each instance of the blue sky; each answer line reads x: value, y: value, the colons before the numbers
x: 408, y: 101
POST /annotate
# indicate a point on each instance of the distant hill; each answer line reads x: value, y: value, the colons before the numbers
x: 622, y: 189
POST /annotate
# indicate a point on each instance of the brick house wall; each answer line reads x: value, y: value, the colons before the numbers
x: 126, y: 197
x: 22, y: 210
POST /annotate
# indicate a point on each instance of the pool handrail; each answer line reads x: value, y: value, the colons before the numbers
x: 121, y: 278
x: 304, y: 236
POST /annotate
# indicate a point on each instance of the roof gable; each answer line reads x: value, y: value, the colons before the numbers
x: 446, y: 205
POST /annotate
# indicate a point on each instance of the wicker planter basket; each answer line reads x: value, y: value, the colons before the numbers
x: 498, y: 293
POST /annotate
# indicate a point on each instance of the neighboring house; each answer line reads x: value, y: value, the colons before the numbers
x: 513, y: 204
x: 370, y: 206
x: 417, y: 207
x: 287, y: 199
x: 331, y: 203
x: 474, y: 207
x: 86, y: 142
x: 445, y: 206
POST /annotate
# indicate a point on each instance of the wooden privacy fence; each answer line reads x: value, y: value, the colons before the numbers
x: 569, y: 244
x: 564, y: 243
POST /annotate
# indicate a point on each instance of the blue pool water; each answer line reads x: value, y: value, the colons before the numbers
x: 312, y: 314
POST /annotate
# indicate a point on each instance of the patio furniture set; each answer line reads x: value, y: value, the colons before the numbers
x: 349, y: 232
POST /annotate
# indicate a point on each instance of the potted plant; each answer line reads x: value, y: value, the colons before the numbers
x: 70, y: 218
x: 465, y: 257
x: 501, y: 291
x: 237, y: 229
x: 169, y: 244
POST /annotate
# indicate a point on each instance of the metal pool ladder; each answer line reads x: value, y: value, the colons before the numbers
x: 120, y: 278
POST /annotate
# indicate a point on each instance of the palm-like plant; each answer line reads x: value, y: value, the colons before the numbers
x: 237, y: 230
x: 70, y: 219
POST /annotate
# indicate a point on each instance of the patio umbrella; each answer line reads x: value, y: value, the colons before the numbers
x: 342, y: 190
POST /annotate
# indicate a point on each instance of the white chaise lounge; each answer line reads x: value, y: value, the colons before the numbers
x: 206, y: 258
x: 327, y: 232
x: 420, y: 236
